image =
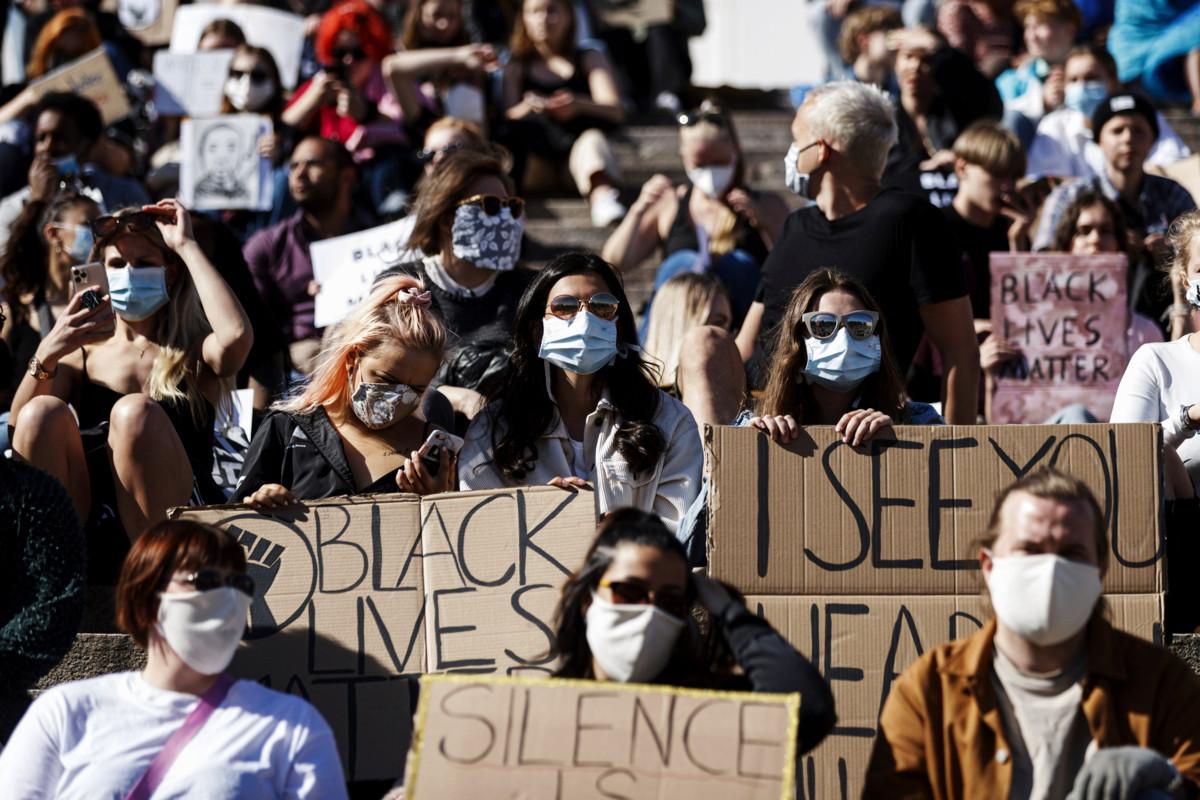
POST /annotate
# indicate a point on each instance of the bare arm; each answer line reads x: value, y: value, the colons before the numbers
x: 301, y: 113
x: 751, y: 325
x: 75, y: 328
x: 951, y: 328
x: 638, y: 234
x: 606, y: 98
x: 402, y: 70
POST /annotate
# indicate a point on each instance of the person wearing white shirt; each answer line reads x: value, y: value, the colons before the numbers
x: 1064, y: 145
x: 183, y: 595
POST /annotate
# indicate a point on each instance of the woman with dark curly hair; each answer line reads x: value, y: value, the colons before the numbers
x: 578, y: 405
x: 626, y: 616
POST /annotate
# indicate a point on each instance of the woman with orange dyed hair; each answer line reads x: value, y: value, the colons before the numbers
x: 68, y: 35
x: 357, y: 426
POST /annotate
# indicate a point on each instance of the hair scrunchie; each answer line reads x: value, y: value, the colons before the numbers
x: 414, y: 296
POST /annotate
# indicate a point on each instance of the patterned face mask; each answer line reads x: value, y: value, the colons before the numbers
x: 488, y: 241
x: 380, y: 405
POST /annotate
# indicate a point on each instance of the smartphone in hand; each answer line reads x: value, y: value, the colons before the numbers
x: 431, y: 452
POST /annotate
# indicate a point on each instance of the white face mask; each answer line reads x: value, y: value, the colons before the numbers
x: 632, y: 643
x: 1045, y: 598
x: 203, y: 628
x: 713, y: 180
x: 1193, y: 292
x: 247, y: 95
x: 799, y: 182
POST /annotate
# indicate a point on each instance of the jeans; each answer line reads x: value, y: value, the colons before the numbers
x: 738, y: 270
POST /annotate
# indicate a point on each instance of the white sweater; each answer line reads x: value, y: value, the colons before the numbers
x: 1160, y: 378
x: 94, y: 738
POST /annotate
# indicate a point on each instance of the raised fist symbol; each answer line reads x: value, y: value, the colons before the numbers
x: 263, y: 559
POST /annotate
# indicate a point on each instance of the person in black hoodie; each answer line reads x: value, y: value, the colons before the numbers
x: 365, y: 413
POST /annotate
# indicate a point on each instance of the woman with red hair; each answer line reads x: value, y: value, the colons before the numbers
x: 68, y: 35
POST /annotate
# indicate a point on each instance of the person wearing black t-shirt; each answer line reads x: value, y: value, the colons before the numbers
x: 986, y: 216
x: 893, y: 242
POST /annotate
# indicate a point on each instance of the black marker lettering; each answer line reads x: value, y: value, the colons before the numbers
x: 580, y: 727
x: 445, y: 708
x: 864, y: 532
x: 879, y: 503
x: 937, y: 503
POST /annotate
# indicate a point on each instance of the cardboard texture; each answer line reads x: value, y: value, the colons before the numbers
x: 862, y: 643
x: 552, y: 739
x: 149, y: 21
x: 904, y: 516
x: 355, y: 596
x: 91, y: 75
x: 1069, y: 317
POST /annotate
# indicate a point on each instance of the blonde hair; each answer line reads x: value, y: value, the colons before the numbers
x: 864, y: 22
x: 989, y: 145
x: 682, y: 303
x: 182, y: 325
x: 1179, y: 236
x: 723, y: 238
x: 390, y: 313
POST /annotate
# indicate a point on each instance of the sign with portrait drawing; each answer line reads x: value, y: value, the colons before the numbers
x: 220, y: 164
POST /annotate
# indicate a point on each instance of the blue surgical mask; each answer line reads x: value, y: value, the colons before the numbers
x: 582, y: 344
x: 137, y: 292
x: 67, y: 165
x: 798, y: 182
x: 1084, y: 96
x: 82, y: 248
x: 842, y: 363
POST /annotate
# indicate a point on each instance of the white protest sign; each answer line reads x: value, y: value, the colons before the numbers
x: 220, y: 166
x: 346, y: 266
x: 190, y: 84
x: 147, y: 20
x: 92, y: 76
x: 278, y: 31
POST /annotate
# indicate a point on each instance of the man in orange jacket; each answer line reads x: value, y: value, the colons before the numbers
x: 1048, y: 699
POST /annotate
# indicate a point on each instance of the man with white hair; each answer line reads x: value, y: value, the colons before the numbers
x: 894, y: 242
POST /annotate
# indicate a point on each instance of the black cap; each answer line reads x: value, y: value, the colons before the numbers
x: 1123, y: 103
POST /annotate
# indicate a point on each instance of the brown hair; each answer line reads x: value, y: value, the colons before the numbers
x: 469, y: 130
x: 1049, y: 483
x: 523, y: 48
x: 1098, y: 52
x: 222, y: 27
x: 989, y: 145
x: 864, y: 22
x: 410, y: 34
x: 71, y: 20
x: 168, y: 547
x: 785, y: 394
x: 275, y: 107
x: 1064, y: 234
x: 1062, y: 10
x: 434, y: 207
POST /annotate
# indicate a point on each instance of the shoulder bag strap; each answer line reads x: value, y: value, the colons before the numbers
x: 209, y: 702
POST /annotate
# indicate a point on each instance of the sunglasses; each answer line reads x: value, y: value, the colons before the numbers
x: 137, y: 222
x: 689, y: 118
x: 257, y: 75
x: 672, y: 601
x: 823, y: 325
x: 491, y: 204
x: 602, y: 305
x: 425, y: 156
x: 349, y: 54
x: 206, y: 580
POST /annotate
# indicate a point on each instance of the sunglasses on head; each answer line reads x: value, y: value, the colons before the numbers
x: 425, y: 156
x: 257, y: 75
x: 689, y: 118
x: 137, y: 222
x: 349, y: 54
x: 823, y: 325
x: 671, y: 600
x: 205, y: 580
x: 491, y: 204
x: 602, y: 305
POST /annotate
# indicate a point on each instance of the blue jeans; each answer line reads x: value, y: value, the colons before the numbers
x: 738, y: 271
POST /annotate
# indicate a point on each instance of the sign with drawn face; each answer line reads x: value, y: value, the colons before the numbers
x: 221, y: 165
x: 354, y: 597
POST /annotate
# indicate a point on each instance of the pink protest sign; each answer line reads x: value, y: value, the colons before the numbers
x: 1069, y: 317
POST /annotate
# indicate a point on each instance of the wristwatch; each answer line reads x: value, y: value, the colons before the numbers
x: 1185, y: 420
x: 38, y: 372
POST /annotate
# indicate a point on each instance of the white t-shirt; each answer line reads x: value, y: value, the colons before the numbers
x: 1064, y: 146
x: 93, y: 739
x: 1160, y: 378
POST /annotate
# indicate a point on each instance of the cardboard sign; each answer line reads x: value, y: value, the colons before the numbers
x: 346, y: 266
x: 278, y: 31
x: 190, y: 84
x: 550, y: 739
x: 633, y: 14
x: 92, y: 76
x: 149, y: 21
x: 220, y: 164
x: 354, y: 596
x: 904, y: 515
x: 1069, y: 317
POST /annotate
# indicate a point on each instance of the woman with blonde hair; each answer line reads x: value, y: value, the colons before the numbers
x: 684, y: 302
x: 144, y: 383
x: 711, y: 223
x: 361, y: 417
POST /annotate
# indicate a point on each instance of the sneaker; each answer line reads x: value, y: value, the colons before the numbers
x: 606, y: 207
x: 668, y: 101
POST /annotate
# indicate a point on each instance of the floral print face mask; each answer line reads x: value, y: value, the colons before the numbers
x: 491, y: 242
